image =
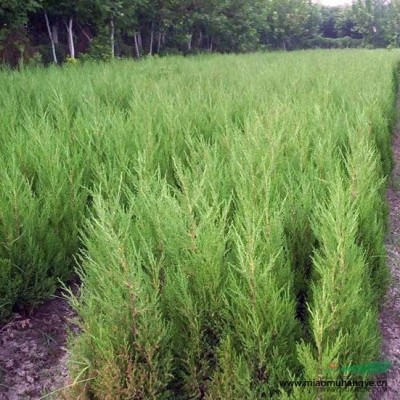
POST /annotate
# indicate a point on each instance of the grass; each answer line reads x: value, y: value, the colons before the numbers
x: 227, y: 214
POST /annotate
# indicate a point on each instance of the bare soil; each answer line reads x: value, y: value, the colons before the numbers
x: 389, y: 319
x: 33, y: 357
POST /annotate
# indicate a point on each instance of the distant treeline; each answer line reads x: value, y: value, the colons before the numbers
x: 46, y: 31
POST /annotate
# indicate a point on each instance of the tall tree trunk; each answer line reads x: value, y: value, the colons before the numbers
x: 87, y: 36
x: 211, y: 43
x: 136, y: 45
x: 70, y: 31
x: 190, y: 42
x: 151, y: 39
x: 140, y: 41
x: 200, y: 45
x: 54, y: 32
x: 21, y: 57
x: 159, y: 43
x: 112, y: 37
x: 71, y: 37
x: 53, y: 47
x: 189, y: 45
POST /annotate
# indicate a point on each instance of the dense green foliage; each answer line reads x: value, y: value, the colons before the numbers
x: 230, y: 210
x: 43, y: 31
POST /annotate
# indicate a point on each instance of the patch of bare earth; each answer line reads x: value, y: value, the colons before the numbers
x: 33, y: 357
x: 389, y: 319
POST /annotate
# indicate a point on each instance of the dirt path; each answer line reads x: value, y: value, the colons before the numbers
x: 33, y: 357
x: 389, y: 319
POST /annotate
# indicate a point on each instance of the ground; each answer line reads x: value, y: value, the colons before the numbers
x: 389, y: 319
x: 33, y: 356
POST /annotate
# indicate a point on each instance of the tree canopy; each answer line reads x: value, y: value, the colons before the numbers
x: 45, y: 31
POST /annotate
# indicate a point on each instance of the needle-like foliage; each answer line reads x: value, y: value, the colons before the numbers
x: 227, y: 215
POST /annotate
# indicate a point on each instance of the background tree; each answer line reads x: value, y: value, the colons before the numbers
x: 328, y: 24
x: 392, y: 23
x: 369, y: 16
x: 289, y: 23
x: 13, y: 36
x: 97, y: 29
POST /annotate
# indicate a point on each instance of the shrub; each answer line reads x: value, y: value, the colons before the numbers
x: 219, y: 206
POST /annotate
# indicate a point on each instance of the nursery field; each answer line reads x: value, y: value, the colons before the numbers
x: 226, y: 215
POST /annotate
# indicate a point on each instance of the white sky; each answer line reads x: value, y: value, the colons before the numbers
x: 333, y: 2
